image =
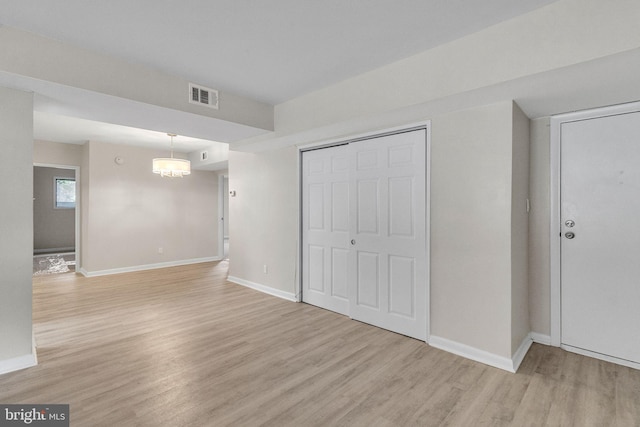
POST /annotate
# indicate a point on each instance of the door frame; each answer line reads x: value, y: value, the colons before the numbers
x: 555, y: 204
x: 426, y: 125
x: 76, y: 169
x: 222, y: 218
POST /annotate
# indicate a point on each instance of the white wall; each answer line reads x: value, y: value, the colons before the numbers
x: 559, y: 35
x: 539, y: 223
x: 479, y: 185
x: 548, y: 41
x: 520, y: 324
x: 30, y: 55
x: 263, y: 227
x: 217, y: 157
x: 128, y: 212
x: 16, y: 229
x: 471, y: 228
x: 547, y: 60
x: 519, y: 57
x: 553, y: 38
x: 55, y: 153
x: 225, y: 197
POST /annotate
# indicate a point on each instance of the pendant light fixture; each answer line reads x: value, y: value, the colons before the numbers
x: 171, y: 167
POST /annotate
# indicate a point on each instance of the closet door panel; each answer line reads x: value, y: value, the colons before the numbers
x: 388, y: 233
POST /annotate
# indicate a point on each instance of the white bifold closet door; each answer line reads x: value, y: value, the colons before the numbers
x: 325, y: 213
x: 364, y: 231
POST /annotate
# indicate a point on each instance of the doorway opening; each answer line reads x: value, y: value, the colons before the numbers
x: 55, y: 219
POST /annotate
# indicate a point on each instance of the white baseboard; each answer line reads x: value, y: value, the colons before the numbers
x: 146, y: 267
x: 265, y: 289
x: 541, y: 338
x: 22, y: 362
x: 18, y: 363
x: 521, y: 352
x: 482, y: 356
x: 34, y: 348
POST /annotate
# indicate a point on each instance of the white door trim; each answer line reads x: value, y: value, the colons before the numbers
x: 555, y: 217
x: 369, y: 135
x: 426, y: 125
x: 221, y: 217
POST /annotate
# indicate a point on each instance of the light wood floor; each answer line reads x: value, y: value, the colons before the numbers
x: 183, y: 347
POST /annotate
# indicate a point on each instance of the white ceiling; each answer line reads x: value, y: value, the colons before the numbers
x: 270, y: 51
x: 72, y: 130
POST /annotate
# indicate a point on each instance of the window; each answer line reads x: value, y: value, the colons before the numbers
x: 65, y: 192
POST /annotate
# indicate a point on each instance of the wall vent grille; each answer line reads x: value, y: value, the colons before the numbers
x: 201, y: 95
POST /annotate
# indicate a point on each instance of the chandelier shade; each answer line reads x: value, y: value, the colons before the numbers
x: 170, y: 167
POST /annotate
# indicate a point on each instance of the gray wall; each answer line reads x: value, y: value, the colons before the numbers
x: 16, y: 227
x: 53, y: 229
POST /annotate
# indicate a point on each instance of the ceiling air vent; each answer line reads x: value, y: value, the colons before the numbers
x: 203, y: 96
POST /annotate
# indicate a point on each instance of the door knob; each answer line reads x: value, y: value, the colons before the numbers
x: 570, y: 223
x: 353, y: 241
x: 569, y: 235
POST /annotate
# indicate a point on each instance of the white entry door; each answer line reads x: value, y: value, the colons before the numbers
x: 388, y: 229
x: 600, y: 236
x: 364, y: 249
x: 325, y: 225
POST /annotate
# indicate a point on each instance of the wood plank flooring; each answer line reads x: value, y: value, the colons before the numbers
x: 183, y: 347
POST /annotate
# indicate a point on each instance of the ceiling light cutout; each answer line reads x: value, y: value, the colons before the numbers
x: 171, y: 167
